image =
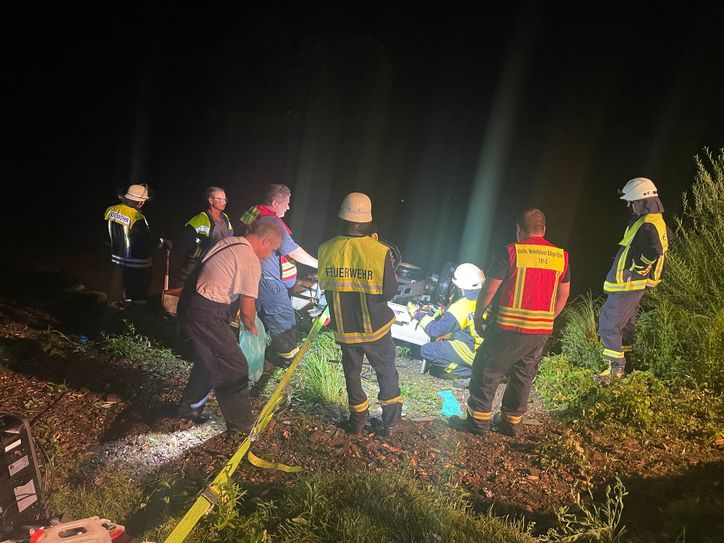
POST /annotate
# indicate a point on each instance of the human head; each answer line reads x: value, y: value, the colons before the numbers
x: 277, y: 197
x: 264, y: 238
x: 137, y: 195
x: 468, y: 277
x: 531, y: 222
x: 216, y: 197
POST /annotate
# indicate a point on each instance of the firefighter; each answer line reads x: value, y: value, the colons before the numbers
x: 203, y: 230
x: 636, y: 267
x: 534, y: 281
x: 131, y: 242
x: 278, y: 274
x: 358, y: 279
x: 456, y: 341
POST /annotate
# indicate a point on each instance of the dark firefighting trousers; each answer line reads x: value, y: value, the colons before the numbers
x: 445, y: 359
x: 135, y: 281
x: 218, y: 363
x: 275, y: 311
x: 504, y: 352
x: 381, y: 356
x: 617, y: 325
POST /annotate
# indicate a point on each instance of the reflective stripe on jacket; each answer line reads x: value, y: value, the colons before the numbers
x: 287, y: 265
x: 358, y: 279
x: 528, y: 294
x: 634, y: 271
x: 204, y: 226
x: 129, y: 235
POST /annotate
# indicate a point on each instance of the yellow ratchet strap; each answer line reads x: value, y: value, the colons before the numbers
x: 210, y: 495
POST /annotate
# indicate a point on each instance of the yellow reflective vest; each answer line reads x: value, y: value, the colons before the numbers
x: 352, y: 274
x: 635, y: 272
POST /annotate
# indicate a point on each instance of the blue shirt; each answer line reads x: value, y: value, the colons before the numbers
x: 271, y: 266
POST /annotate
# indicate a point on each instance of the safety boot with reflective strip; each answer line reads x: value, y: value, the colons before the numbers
x: 477, y: 422
x: 507, y: 424
x: 613, y: 373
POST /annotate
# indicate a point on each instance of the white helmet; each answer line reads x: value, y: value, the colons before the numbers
x: 356, y: 207
x: 468, y: 277
x: 638, y: 189
x: 137, y: 193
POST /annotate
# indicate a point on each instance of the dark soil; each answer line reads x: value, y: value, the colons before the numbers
x: 90, y: 414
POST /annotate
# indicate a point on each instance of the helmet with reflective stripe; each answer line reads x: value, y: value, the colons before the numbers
x: 137, y: 193
x: 638, y: 188
x: 356, y: 207
x: 468, y: 277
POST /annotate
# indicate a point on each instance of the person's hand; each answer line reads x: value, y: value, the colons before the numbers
x: 252, y: 329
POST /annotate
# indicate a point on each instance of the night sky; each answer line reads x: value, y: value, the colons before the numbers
x: 451, y: 120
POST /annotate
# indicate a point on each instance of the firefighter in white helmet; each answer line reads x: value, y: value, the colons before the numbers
x: 358, y: 278
x: 452, y: 353
x: 636, y: 267
x: 131, y: 242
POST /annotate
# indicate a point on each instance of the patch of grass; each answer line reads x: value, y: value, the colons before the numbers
x: 579, y: 339
x: 591, y: 523
x: 138, y: 349
x: 320, y: 374
x: 403, y: 351
x: 115, y: 499
x: 359, y: 508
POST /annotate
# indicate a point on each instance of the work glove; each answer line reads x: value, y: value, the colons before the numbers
x: 412, y: 309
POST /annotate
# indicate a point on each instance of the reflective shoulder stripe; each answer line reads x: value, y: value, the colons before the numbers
x: 124, y: 215
x: 201, y: 223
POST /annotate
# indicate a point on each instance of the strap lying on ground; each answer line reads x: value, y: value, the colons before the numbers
x: 208, y: 498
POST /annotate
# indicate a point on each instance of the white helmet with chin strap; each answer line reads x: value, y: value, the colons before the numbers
x: 638, y: 188
x: 468, y: 277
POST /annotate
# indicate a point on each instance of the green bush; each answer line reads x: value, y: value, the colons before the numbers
x: 684, y: 323
x: 561, y: 385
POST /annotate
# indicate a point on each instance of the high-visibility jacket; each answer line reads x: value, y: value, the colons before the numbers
x: 640, y: 259
x: 457, y: 321
x: 204, y: 226
x: 287, y: 265
x: 357, y: 276
x: 528, y: 293
x: 129, y: 235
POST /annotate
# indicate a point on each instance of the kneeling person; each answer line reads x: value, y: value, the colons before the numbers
x: 456, y: 341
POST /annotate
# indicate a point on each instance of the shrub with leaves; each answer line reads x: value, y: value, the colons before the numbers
x: 561, y: 385
x: 684, y: 324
